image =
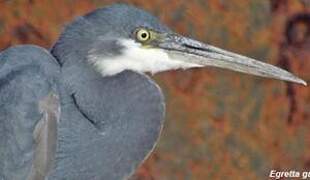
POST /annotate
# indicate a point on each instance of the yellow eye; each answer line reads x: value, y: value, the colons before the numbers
x: 143, y: 35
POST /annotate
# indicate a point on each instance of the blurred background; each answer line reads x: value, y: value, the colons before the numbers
x: 219, y: 124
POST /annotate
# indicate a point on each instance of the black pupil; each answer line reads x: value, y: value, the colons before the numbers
x: 144, y: 35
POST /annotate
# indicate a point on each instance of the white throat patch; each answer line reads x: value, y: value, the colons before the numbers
x: 137, y: 58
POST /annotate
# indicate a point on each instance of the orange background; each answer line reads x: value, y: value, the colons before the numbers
x: 220, y: 124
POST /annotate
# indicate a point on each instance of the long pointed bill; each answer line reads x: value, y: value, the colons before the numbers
x: 194, y: 52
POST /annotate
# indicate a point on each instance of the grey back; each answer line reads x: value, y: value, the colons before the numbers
x: 107, y: 125
x: 28, y: 74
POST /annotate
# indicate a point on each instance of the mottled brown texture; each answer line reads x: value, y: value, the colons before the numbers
x: 220, y: 124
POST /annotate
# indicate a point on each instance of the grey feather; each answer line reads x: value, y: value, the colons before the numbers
x: 45, y: 136
x: 107, y: 125
x: 61, y: 119
x: 27, y: 75
x: 113, y: 123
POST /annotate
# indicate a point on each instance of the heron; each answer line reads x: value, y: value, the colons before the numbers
x: 88, y: 109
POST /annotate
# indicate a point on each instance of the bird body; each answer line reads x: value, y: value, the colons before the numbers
x: 86, y: 110
x: 85, y: 141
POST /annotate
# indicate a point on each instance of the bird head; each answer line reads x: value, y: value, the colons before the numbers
x: 122, y: 37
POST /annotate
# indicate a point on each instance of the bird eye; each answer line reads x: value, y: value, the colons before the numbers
x: 143, y: 35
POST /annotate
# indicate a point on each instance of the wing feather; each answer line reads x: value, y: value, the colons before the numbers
x: 28, y: 112
x: 45, y: 136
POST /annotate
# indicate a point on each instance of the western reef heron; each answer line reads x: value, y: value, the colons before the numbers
x: 86, y: 110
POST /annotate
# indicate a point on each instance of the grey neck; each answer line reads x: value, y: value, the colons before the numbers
x: 110, y: 123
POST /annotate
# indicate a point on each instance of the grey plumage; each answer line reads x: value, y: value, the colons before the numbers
x: 28, y: 74
x: 102, y: 122
x: 112, y: 23
x: 61, y: 118
x: 45, y: 137
x: 101, y: 119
